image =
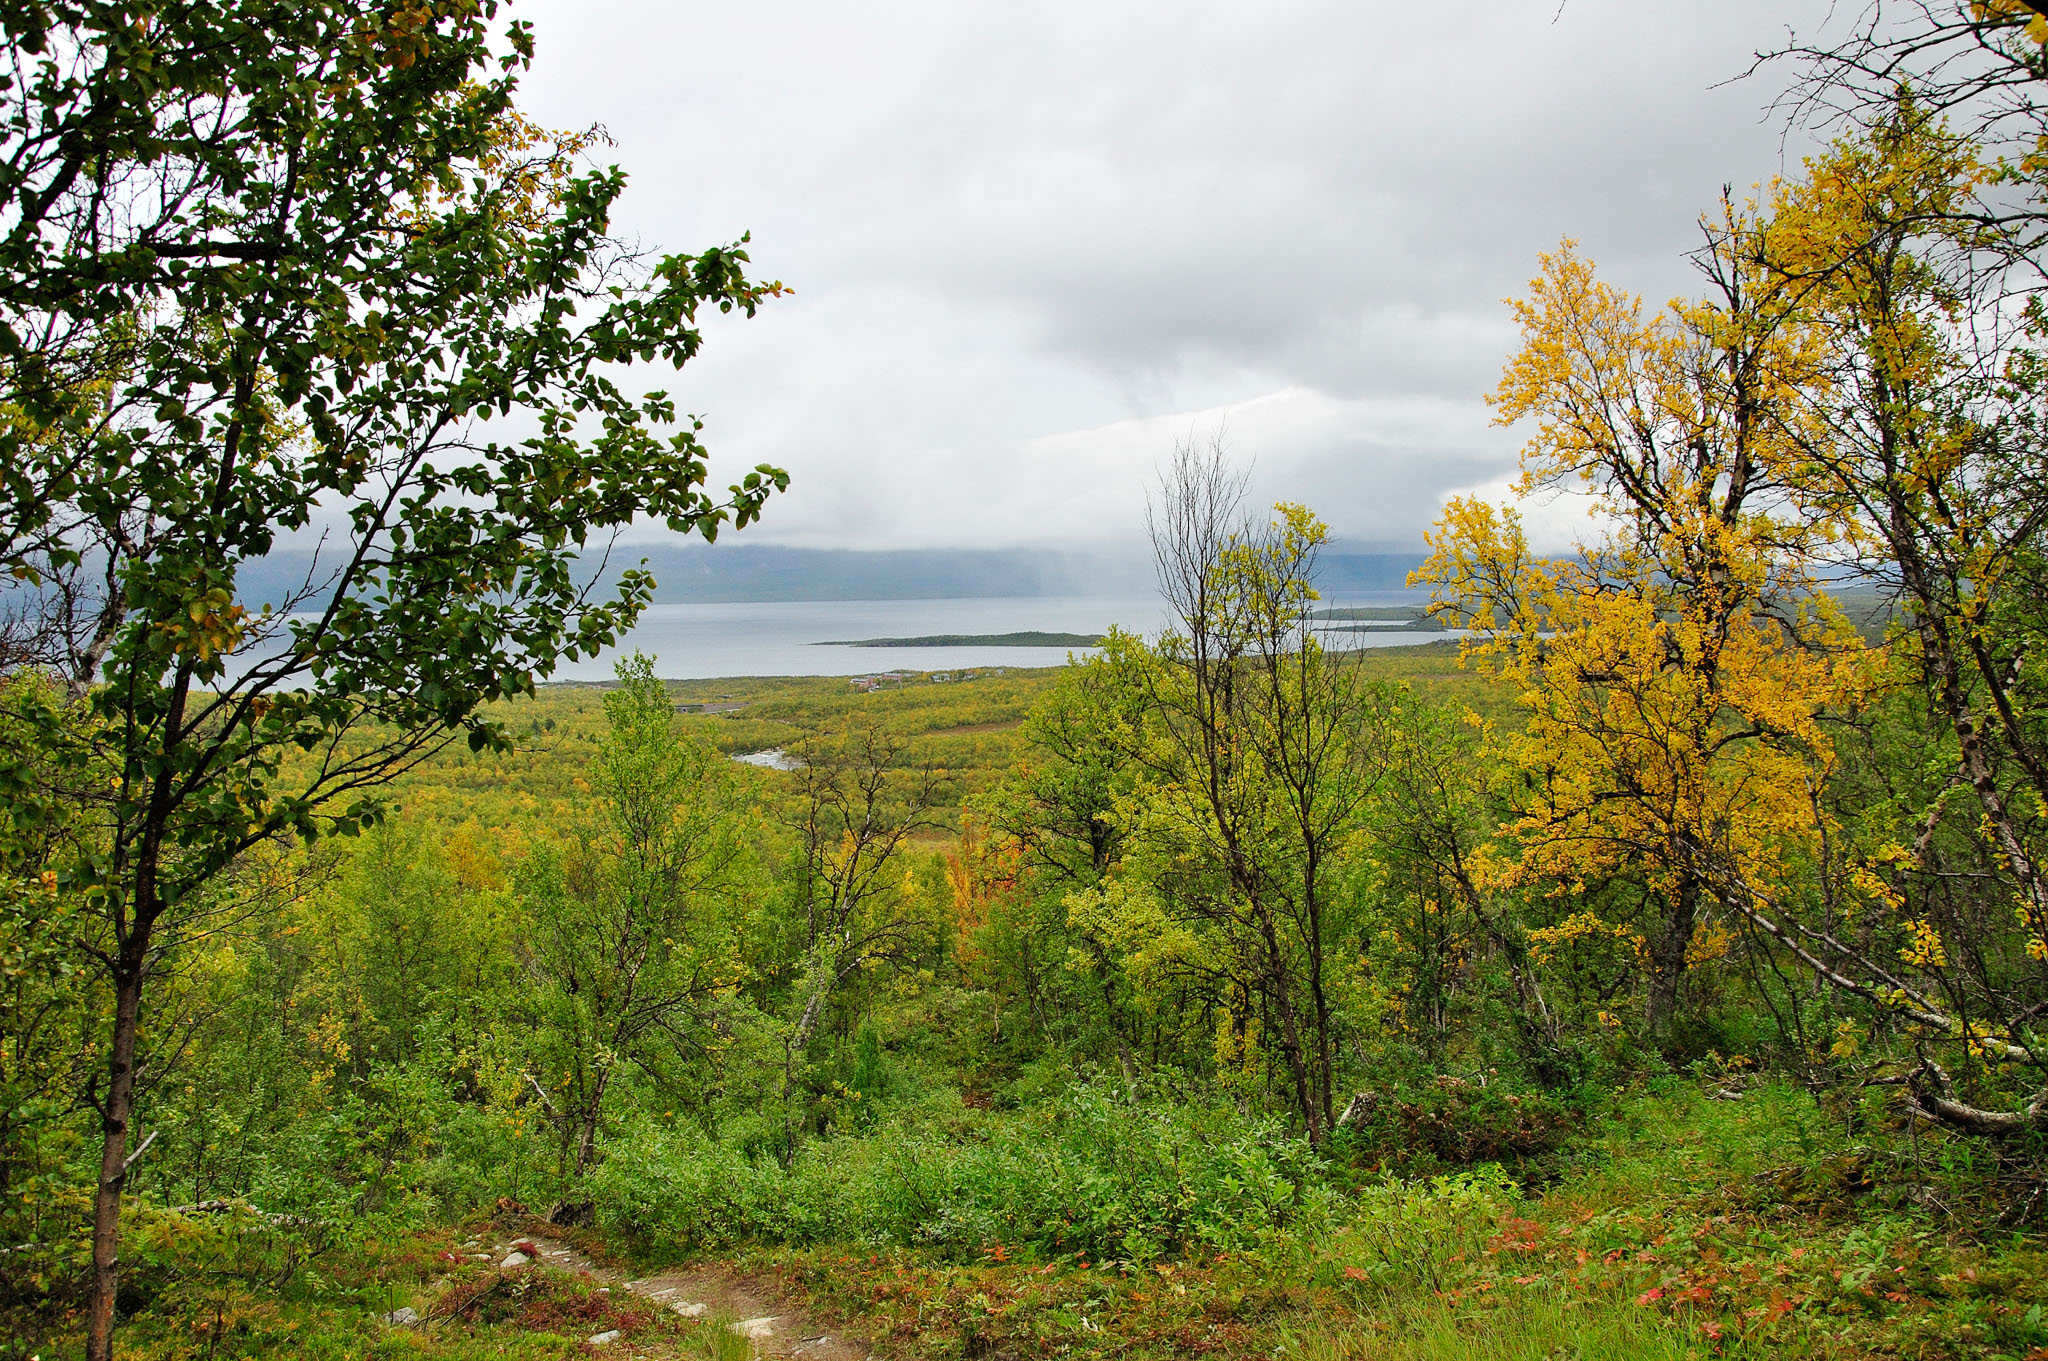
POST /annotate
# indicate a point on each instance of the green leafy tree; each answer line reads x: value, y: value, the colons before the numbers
x: 636, y: 929
x: 46, y: 1019
x: 858, y: 806
x: 299, y: 269
x: 1054, y: 831
x: 1432, y: 820
x: 1250, y: 781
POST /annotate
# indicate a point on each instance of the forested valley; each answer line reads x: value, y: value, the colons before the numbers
x: 1656, y: 965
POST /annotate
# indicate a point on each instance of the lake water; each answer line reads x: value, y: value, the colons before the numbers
x: 790, y: 638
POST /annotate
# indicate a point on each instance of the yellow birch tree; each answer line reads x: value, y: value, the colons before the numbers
x: 1676, y: 665
x: 1924, y: 446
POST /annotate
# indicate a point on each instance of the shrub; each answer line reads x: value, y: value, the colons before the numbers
x: 1406, y: 1235
x: 1450, y: 1122
x: 1091, y: 1175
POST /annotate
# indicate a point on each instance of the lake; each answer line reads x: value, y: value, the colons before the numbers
x: 790, y: 638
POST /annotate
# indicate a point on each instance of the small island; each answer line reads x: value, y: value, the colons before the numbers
x: 1382, y: 614
x: 1369, y: 618
x: 1027, y: 638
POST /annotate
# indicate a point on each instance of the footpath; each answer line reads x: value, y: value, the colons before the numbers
x: 774, y: 1325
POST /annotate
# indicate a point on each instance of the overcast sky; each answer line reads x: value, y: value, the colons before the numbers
x: 1032, y: 244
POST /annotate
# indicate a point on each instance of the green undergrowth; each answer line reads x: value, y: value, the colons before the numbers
x: 1684, y: 1230
x: 1683, y: 1227
x: 1090, y: 1174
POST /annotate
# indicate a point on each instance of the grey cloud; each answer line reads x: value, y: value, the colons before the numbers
x: 1013, y: 226
x: 1248, y: 178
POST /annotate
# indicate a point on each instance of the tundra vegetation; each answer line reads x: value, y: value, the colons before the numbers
x: 1655, y: 968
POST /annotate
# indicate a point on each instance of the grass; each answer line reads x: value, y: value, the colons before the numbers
x: 965, y: 726
x: 1540, y: 1329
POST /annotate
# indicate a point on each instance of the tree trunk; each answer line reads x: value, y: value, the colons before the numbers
x: 1326, y: 1060
x: 134, y: 923
x: 1976, y: 763
x: 1667, y: 956
x: 794, y: 1044
x: 115, y: 1113
x: 1535, y: 1010
x: 586, y: 1139
x: 1277, y: 985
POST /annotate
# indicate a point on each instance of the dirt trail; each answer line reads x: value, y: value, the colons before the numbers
x: 771, y: 1321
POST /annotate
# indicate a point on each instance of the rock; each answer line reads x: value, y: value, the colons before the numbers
x: 573, y: 1214
x: 403, y: 1318
x: 690, y: 1309
x: 1360, y: 1110
x: 605, y: 1338
x: 756, y: 1328
x: 512, y: 1259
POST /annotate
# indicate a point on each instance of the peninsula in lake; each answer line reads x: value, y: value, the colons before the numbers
x: 1025, y: 638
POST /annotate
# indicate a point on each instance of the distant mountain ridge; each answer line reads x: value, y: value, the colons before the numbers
x: 762, y: 572
x: 765, y: 572
x: 743, y: 572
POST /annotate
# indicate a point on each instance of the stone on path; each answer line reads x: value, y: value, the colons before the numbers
x: 605, y: 1338
x: 756, y: 1328
x: 689, y: 1309
x: 512, y: 1259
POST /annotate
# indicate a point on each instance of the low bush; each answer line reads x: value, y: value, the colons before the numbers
x: 538, y: 1301
x: 1450, y: 1122
x: 1405, y: 1236
x: 1090, y: 1175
